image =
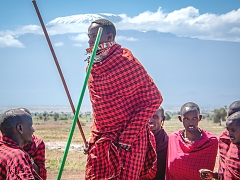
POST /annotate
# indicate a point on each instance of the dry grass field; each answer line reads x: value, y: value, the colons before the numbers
x: 58, y: 131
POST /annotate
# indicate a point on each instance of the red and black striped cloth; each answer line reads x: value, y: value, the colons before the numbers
x: 229, y: 158
x: 14, y: 161
x: 36, y: 151
x: 123, y: 97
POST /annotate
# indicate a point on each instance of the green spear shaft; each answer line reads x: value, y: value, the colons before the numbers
x: 79, y: 102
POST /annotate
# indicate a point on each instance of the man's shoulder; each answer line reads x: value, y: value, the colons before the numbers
x: 11, y: 152
x: 210, y: 136
x: 175, y: 133
x: 224, y: 136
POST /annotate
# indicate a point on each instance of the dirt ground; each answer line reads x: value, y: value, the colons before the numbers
x: 73, y: 175
x: 55, y: 136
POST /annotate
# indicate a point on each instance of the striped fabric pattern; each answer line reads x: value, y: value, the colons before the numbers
x: 14, y: 162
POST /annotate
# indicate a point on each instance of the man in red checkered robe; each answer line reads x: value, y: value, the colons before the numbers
x: 229, y: 148
x: 36, y: 151
x: 16, y: 128
x: 124, y: 97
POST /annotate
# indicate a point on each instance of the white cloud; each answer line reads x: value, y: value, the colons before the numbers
x: 185, y: 22
x: 78, y: 45
x: 83, y: 37
x: 23, y: 30
x: 123, y: 38
x: 10, y: 41
x: 59, y: 44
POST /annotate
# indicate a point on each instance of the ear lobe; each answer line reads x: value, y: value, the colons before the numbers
x: 20, y: 128
x: 110, y: 37
x: 200, y: 117
x: 180, y: 118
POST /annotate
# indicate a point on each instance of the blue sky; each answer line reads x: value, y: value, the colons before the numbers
x: 191, y: 48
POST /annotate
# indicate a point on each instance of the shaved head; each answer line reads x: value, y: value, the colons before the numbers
x: 234, y: 107
x: 11, y: 118
x: 189, y: 105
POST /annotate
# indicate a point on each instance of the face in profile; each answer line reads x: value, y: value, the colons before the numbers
x: 190, y: 118
x: 233, y: 128
x: 92, y: 35
x: 26, y: 129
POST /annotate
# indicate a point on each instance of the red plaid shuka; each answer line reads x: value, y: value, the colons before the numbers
x: 14, y: 162
x: 36, y: 151
x: 229, y: 158
x: 149, y: 173
x: 123, y: 97
x: 185, y: 160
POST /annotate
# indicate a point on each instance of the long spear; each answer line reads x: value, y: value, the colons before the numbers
x: 59, y: 69
x: 80, y: 102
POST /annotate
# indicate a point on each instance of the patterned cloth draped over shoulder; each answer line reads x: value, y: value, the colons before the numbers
x: 148, y: 173
x: 36, y: 151
x: 185, y: 160
x: 229, y: 158
x: 123, y: 97
x: 14, y: 162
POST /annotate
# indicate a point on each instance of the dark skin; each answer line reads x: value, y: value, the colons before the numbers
x: 21, y: 133
x: 156, y: 122
x: 92, y: 34
x: 35, y: 166
x: 190, y: 118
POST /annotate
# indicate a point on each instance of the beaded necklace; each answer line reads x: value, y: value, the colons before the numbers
x: 184, y: 137
x: 102, y: 51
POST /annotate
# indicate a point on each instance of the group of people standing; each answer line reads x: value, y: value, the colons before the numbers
x: 128, y: 141
x: 125, y: 103
x: 190, y: 153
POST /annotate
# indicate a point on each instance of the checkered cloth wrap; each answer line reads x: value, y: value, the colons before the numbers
x: 123, y: 97
x: 149, y: 173
x: 36, y: 151
x: 185, y: 160
x: 229, y: 158
x: 14, y: 162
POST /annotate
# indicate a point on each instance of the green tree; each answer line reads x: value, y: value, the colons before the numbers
x: 167, y: 117
x: 55, y: 116
x: 45, y: 115
x: 40, y: 117
x: 219, y: 115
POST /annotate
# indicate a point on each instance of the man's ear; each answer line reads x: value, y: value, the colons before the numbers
x: 110, y: 37
x: 20, y: 128
x: 200, y: 117
x: 180, y: 118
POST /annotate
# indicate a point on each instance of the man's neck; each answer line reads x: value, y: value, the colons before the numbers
x: 192, y: 136
x: 16, y: 139
x: 155, y: 132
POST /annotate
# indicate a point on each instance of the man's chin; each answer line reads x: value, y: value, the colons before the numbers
x: 28, y: 142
